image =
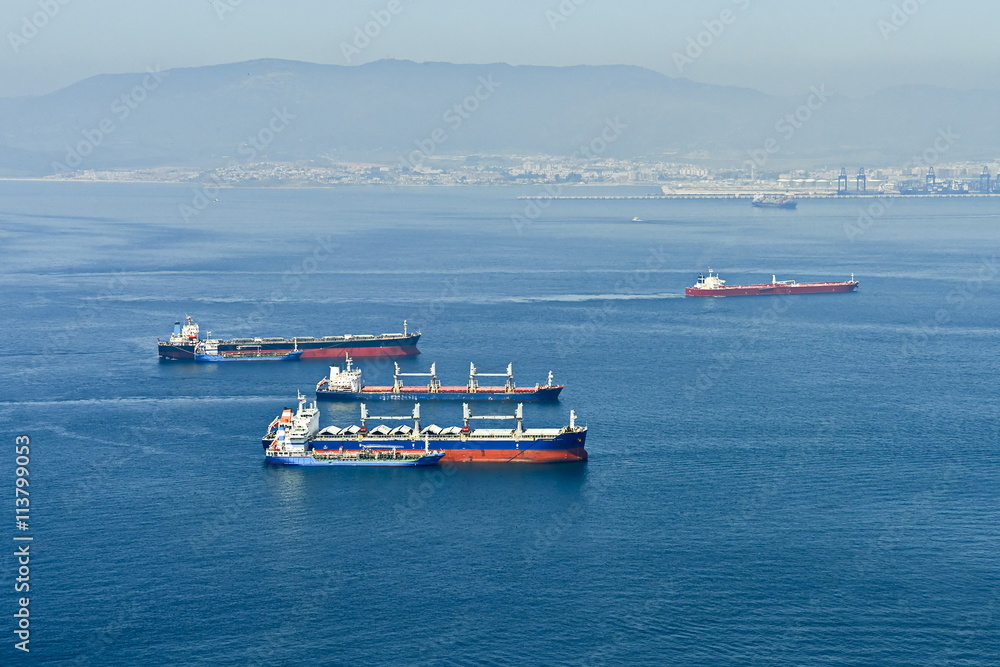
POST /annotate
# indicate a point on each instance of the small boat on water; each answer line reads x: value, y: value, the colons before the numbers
x: 713, y: 285
x: 774, y: 201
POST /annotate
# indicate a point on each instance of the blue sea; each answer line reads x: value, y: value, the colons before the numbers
x: 784, y: 480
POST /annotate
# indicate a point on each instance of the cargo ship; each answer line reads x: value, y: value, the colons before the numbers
x: 712, y: 285
x: 186, y: 340
x: 458, y: 443
x: 774, y: 201
x: 347, y: 385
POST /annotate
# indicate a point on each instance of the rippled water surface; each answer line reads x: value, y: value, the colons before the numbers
x: 800, y: 480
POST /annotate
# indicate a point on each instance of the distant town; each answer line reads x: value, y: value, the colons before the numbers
x: 664, y: 179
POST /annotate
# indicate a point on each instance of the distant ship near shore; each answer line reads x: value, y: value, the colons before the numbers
x: 774, y: 201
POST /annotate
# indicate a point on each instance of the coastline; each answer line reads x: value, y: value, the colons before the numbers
x: 690, y: 194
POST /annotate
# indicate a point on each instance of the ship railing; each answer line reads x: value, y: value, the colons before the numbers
x: 397, y: 335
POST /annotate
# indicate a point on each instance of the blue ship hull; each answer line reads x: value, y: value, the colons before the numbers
x: 429, y: 460
x: 545, y: 394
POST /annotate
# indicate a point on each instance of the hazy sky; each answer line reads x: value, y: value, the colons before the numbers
x: 778, y: 46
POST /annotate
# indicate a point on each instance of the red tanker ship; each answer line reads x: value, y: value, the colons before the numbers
x: 712, y: 285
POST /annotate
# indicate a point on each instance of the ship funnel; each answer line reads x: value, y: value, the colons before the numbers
x: 177, y: 328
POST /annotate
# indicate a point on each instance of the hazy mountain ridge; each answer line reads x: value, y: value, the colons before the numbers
x: 389, y: 111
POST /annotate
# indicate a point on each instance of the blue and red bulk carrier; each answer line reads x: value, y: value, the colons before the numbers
x: 296, y: 439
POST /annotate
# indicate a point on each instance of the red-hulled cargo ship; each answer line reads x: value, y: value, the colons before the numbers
x: 347, y: 385
x: 185, y: 342
x: 712, y: 285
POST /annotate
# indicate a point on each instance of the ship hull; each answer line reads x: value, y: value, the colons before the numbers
x: 785, y: 205
x: 563, y: 448
x: 549, y: 394
x: 401, y: 346
x: 213, y: 358
x: 352, y: 463
x: 765, y: 289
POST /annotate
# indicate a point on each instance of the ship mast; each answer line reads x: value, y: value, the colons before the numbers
x: 518, y: 416
x: 508, y: 386
x: 415, y: 416
x: 433, y: 385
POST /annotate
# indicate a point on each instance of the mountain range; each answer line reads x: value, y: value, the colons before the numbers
x: 403, y: 112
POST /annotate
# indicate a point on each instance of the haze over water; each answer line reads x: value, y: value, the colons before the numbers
x: 790, y: 480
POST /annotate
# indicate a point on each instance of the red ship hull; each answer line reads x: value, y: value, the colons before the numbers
x: 764, y: 289
x: 515, y: 455
x: 356, y: 352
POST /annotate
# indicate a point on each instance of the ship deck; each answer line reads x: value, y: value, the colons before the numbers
x: 452, y: 390
x: 477, y: 434
x: 781, y: 284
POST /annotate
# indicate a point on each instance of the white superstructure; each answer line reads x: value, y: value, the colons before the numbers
x: 294, y: 430
x: 346, y: 380
x: 711, y: 281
